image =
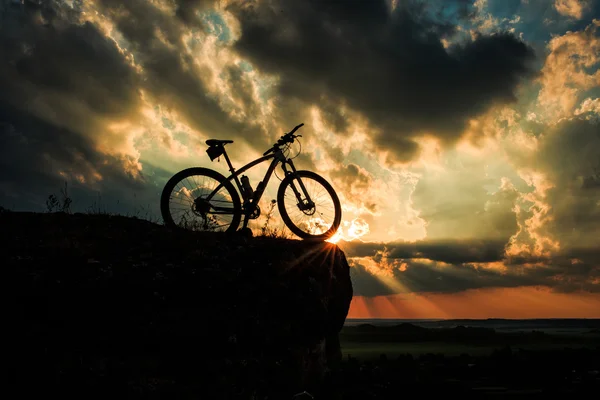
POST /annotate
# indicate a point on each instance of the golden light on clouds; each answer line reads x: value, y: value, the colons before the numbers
x: 568, y: 71
x: 572, y: 8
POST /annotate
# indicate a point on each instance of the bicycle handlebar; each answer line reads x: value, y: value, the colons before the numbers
x: 286, y: 138
x: 295, y: 129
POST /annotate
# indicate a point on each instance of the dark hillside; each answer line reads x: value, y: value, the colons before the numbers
x: 102, y: 305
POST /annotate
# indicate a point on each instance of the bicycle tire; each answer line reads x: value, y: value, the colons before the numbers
x: 285, y: 215
x: 199, y: 171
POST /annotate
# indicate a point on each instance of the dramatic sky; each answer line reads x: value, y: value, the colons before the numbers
x: 462, y: 136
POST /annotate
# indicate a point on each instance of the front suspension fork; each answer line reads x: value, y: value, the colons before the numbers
x: 307, y: 204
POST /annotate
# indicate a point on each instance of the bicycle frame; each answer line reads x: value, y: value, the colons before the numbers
x: 248, y: 202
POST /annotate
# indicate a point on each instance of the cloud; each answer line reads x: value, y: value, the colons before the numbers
x: 456, y: 266
x: 430, y: 277
x: 446, y: 251
x: 172, y: 76
x: 572, y: 8
x: 354, y: 182
x: 555, y: 243
x: 589, y: 108
x: 187, y: 10
x: 459, y: 203
x: 69, y: 75
x: 60, y: 83
x: 389, y: 65
x: 570, y: 69
x: 37, y: 157
x: 107, y: 80
x: 541, y: 230
x: 568, y: 158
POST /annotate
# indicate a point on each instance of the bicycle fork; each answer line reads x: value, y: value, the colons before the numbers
x: 305, y: 204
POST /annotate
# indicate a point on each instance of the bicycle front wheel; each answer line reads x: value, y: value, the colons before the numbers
x: 316, y: 216
x: 200, y: 199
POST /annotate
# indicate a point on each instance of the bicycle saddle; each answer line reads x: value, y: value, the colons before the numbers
x: 216, y: 142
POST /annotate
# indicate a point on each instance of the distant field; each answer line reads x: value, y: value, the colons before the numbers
x: 367, y: 341
x: 374, y: 350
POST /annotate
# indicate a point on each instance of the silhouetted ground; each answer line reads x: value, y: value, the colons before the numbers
x: 368, y: 341
x: 492, y: 365
x: 103, y: 306
x: 506, y: 373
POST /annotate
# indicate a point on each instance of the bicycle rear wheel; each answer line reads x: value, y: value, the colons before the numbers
x: 189, y: 201
x: 317, y: 220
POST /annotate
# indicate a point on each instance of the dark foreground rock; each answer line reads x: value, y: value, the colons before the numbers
x: 101, y: 306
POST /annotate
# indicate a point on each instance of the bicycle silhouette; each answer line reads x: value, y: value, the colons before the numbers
x: 202, y: 199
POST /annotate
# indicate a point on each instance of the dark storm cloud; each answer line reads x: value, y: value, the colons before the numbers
x: 352, y: 178
x: 421, y: 277
x: 65, y: 61
x: 448, y: 251
x: 332, y: 114
x: 569, y: 158
x: 455, y: 265
x: 34, y: 152
x: 391, y: 66
x: 57, y: 81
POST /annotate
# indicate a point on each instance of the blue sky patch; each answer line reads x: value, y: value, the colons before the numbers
x: 216, y: 25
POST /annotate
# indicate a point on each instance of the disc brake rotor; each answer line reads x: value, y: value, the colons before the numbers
x: 201, y: 206
x: 307, y: 209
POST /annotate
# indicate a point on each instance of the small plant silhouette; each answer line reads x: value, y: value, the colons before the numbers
x: 97, y: 207
x: 54, y: 204
x: 272, y: 232
x: 208, y: 223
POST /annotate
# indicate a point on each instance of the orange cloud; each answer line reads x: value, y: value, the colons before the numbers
x: 571, y: 8
x: 566, y: 72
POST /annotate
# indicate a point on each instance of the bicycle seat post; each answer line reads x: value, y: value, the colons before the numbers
x: 231, y: 169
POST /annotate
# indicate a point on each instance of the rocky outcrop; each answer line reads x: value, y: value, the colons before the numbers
x: 103, y: 305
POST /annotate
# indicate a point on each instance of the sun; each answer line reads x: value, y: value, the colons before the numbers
x: 335, y: 238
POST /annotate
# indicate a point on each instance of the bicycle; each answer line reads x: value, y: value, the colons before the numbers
x: 205, y: 206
